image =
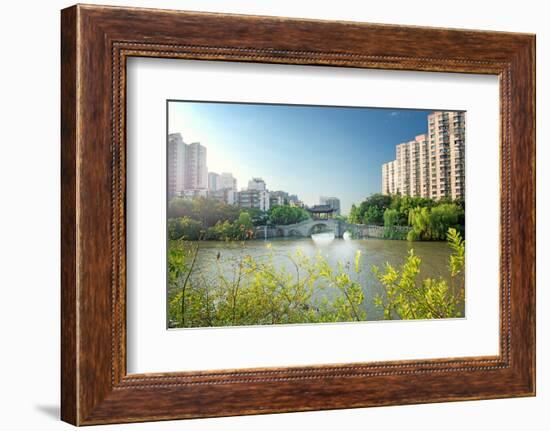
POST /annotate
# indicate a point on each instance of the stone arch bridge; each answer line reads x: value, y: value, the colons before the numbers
x: 307, y: 227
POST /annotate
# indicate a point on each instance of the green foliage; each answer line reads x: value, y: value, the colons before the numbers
x: 354, y: 215
x: 457, y: 259
x: 286, y: 214
x: 210, y: 211
x: 206, y: 210
x: 260, y: 292
x: 371, y: 210
x: 391, y: 220
x: 240, y: 229
x: 434, y: 223
x: 428, y: 218
x: 373, y: 215
x: 419, y: 220
x: 404, y: 204
x: 184, y: 228
x: 443, y: 217
x: 405, y: 297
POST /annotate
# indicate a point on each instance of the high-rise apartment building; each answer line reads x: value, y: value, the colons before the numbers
x: 176, y: 162
x: 186, y: 166
x: 389, y: 178
x: 410, y: 169
x: 196, y: 172
x: 446, y: 137
x: 431, y: 165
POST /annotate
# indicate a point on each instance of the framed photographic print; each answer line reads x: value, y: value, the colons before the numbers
x: 267, y: 215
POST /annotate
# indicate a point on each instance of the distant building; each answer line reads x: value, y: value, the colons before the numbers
x: 254, y: 199
x: 256, y: 184
x: 196, y: 172
x: 227, y: 196
x: 176, y: 165
x: 195, y: 193
x: 186, y: 166
x: 332, y: 202
x: 389, y: 178
x: 293, y: 201
x: 432, y: 164
x: 213, y: 181
x: 227, y: 181
x: 278, y: 198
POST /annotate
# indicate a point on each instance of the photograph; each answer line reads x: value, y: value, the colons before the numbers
x: 301, y: 214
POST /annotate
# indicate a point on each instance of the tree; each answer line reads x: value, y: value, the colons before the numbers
x: 403, y: 205
x: 179, y: 207
x: 354, y: 216
x: 374, y: 215
x: 419, y: 220
x: 244, y: 225
x: 285, y: 215
x: 391, y: 220
x: 443, y: 217
x: 434, y: 223
x: 184, y: 228
x: 371, y: 210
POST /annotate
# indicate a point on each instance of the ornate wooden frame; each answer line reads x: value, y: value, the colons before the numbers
x: 95, y: 42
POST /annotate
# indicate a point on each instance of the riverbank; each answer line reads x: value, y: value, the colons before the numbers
x: 287, y: 263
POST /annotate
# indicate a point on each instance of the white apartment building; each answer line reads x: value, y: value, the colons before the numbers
x: 447, y: 150
x: 432, y: 164
x: 176, y: 165
x: 196, y: 171
x: 186, y: 166
x: 389, y: 178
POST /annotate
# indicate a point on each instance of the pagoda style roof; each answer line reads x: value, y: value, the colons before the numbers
x: 321, y: 209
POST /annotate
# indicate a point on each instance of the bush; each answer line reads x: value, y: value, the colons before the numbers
x: 240, y: 229
x: 260, y: 292
x: 184, y: 228
x: 405, y: 297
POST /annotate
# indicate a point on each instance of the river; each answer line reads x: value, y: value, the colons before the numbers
x: 374, y: 252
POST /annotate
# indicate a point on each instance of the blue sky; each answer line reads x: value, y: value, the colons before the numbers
x: 305, y: 150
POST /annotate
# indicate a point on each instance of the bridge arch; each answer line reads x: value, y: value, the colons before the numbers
x: 295, y: 232
x: 318, y: 227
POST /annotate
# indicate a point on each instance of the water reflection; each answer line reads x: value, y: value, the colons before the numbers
x: 322, y: 239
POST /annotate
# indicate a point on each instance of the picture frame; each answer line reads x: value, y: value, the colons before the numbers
x: 96, y: 42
